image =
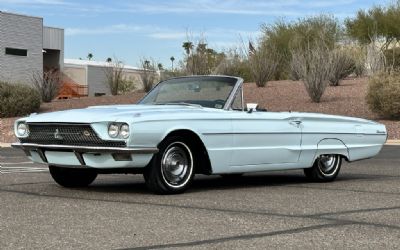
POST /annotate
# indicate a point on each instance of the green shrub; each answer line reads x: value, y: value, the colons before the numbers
x: 383, y: 95
x: 18, y: 100
x: 286, y: 37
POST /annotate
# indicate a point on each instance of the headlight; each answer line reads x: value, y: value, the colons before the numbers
x: 124, y: 131
x: 22, y: 129
x: 113, y: 130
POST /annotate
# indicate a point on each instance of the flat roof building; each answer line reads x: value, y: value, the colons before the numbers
x: 27, y: 47
x: 93, y: 75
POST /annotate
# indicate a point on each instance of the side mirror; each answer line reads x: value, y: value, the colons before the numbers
x: 251, y: 107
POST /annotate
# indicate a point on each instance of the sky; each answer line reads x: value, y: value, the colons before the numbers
x: 134, y: 29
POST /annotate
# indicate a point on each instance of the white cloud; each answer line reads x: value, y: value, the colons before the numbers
x: 171, y: 35
x: 110, y: 29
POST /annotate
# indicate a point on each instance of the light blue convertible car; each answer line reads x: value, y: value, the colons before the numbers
x: 193, y: 125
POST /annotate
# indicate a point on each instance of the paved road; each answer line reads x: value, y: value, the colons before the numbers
x: 271, y: 210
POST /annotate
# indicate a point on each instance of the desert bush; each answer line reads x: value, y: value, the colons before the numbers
x: 48, y: 84
x: 18, y: 100
x: 234, y: 64
x: 343, y: 65
x: 114, y: 75
x: 263, y: 61
x: 127, y: 85
x: 286, y: 37
x: 280, y: 35
x: 314, y: 67
x: 392, y: 58
x: 383, y: 96
x: 375, y: 60
x: 358, y: 54
x: 148, y: 74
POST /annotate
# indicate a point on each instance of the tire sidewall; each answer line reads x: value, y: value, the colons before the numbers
x: 325, y: 177
x: 154, y: 175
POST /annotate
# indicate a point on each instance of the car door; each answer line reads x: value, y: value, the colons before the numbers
x: 265, y: 138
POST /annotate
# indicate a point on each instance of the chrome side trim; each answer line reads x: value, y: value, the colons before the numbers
x: 281, y: 133
x: 84, y: 149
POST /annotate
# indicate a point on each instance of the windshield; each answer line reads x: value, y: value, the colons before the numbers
x: 208, y: 91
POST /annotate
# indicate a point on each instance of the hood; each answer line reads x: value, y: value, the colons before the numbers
x: 124, y: 113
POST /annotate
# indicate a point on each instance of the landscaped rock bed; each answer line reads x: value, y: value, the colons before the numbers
x: 346, y: 99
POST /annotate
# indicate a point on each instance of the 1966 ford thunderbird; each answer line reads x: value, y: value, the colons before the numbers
x: 190, y: 125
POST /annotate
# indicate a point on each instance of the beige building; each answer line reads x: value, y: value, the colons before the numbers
x: 92, y: 75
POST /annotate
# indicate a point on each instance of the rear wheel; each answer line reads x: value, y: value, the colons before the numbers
x: 72, y: 177
x: 325, y: 168
x: 171, y: 170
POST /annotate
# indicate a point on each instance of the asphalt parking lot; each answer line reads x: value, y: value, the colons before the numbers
x: 258, y: 211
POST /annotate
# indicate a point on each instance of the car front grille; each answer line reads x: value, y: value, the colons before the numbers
x: 67, y: 134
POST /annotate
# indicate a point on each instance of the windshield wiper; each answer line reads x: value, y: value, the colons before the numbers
x: 178, y: 103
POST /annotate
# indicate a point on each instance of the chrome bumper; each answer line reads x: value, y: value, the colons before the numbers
x: 79, y: 150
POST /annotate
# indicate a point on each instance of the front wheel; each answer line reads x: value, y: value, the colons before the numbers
x: 171, y: 170
x: 72, y: 177
x: 325, y: 168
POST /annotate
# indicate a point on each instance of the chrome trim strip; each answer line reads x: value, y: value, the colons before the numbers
x: 84, y: 149
x: 280, y: 133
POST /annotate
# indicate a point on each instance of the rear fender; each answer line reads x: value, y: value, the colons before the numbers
x: 332, y: 146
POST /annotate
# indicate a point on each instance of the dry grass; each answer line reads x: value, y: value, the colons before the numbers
x: 347, y: 99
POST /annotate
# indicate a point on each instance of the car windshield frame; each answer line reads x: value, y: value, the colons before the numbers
x: 228, y: 101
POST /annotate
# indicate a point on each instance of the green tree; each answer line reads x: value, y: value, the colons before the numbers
x: 109, y: 60
x: 90, y: 56
x: 379, y: 23
x: 172, y: 62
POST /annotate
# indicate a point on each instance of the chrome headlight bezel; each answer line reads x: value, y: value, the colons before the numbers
x: 118, y: 130
x: 22, y: 130
x: 124, y: 131
x: 113, y: 130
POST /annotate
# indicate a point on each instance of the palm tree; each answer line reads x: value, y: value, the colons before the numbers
x: 172, y: 62
x: 109, y: 60
x: 188, y: 46
x: 90, y: 56
x: 160, y: 66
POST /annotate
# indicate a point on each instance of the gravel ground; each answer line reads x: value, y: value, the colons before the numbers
x: 347, y: 99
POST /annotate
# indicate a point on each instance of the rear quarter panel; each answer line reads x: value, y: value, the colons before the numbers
x: 362, y: 138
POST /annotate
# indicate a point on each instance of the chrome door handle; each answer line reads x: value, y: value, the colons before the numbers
x: 295, y: 122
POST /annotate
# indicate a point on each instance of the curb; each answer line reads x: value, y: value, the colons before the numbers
x: 5, y: 145
x: 393, y: 142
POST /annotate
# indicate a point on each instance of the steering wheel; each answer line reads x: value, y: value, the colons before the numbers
x: 219, y: 103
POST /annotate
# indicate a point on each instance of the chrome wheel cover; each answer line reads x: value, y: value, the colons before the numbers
x: 328, y: 164
x: 177, y: 165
